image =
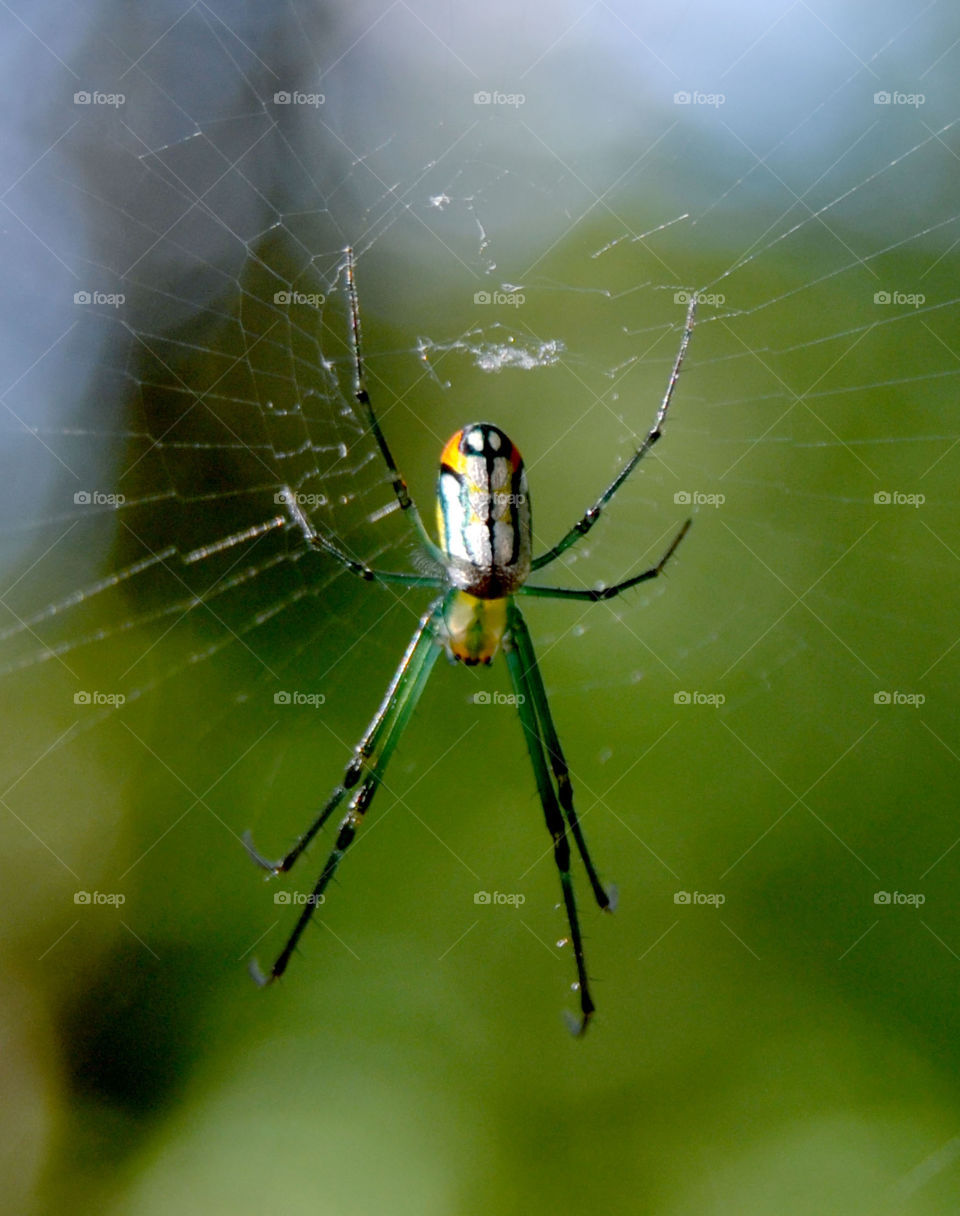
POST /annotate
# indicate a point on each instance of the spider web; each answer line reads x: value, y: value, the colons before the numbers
x: 181, y: 413
x: 203, y: 397
x: 528, y: 221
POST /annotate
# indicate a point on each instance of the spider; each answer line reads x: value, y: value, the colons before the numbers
x: 485, y: 555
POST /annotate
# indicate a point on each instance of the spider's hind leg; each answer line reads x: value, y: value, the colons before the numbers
x: 365, y: 770
x: 533, y: 684
x: 527, y: 707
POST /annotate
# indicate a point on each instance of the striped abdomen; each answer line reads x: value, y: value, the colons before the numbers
x: 483, y: 512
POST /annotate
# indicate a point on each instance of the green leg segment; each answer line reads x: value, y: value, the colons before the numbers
x: 365, y: 770
x: 527, y: 700
x: 524, y: 644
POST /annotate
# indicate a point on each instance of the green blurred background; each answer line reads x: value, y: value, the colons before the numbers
x: 791, y: 1049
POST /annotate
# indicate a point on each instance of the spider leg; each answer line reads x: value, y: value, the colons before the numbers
x: 417, y: 654
x: 551, y: 807
x: 318, y: 541
x: 407, y: 505
x: 592, y: 514
x: 534, y: 686
x: 607, y: 593
x: 369, y: 763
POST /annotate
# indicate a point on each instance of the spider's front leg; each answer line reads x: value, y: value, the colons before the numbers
x: 405, y: 502
x: 592, y: 514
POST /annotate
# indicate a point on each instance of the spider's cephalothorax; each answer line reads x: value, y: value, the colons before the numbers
x: 482, y: 564
x: 483, y: 517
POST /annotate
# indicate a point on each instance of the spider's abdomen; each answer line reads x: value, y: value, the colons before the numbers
x: 483, y: 512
